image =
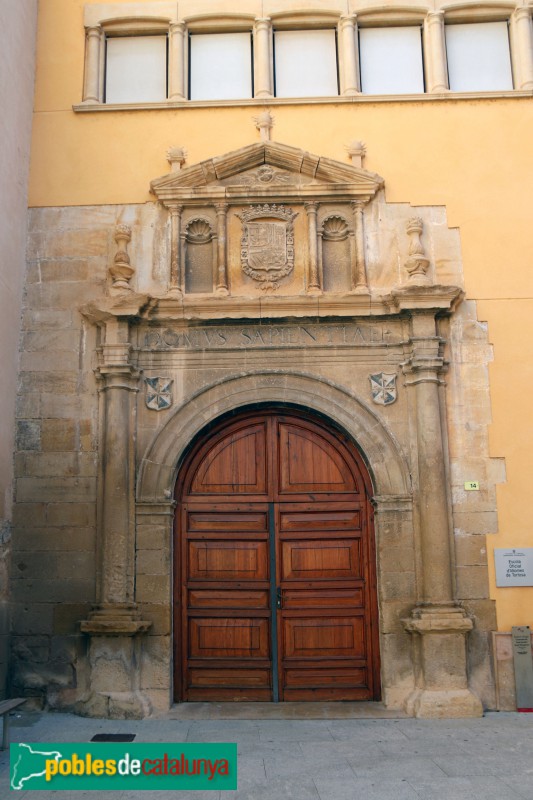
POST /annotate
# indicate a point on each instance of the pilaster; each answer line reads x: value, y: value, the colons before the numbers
x: 222, y: 269
x: 521, y: 30
x: 176, y: 62
x: 263, y: 74
x: 113, y: 681
x: 437, y: 623
x: 175, y: 249
x: 93, y: 77
x: 435, y: 53
x: 359, y: 278
x: 348, y: 55
x: 313, y: 285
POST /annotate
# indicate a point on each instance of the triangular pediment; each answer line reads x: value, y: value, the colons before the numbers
x: 267, y: 169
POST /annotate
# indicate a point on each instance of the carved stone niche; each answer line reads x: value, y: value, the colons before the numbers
x: 285, y: 181
x: 337, y: 254
x: 200, y: 256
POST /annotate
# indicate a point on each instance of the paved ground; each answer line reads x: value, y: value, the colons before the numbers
x: 325, y: 759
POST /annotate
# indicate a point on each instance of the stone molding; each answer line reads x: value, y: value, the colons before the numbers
x: 138, y: 18
x: 115, y: 619
x: 438, y: 619
x: 438, y: 97
x: 332, y: 179
x: 158, y: 468
x: 98, y: 13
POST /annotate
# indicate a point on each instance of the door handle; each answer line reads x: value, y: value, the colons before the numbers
x: 278, y: 597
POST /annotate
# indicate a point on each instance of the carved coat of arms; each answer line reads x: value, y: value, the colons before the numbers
x: 383, y: 387
x: 267, y: 243
x: 158, y: 393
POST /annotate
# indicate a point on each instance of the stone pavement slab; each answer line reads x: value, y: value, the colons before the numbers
x: 323, y: 759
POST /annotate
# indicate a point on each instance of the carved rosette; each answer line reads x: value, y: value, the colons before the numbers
x: 267, y: 243
x: 121, y: 269
x: 417, y: 264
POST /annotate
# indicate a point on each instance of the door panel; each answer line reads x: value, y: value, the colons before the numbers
x: 233, y: 638
x: 234, y: 465
x: 323, y: 560
x: 229, y: 560
x: 275, y: 579
x: 323, y: 637
x: 308, y: 462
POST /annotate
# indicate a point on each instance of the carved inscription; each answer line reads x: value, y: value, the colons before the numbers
x: 270, y: 336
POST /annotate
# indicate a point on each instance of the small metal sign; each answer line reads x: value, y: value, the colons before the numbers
x: 514, y: 567
x: 523, y: 667
x: 472, y: 486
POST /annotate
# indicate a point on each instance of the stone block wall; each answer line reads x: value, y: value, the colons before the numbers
x: 18, y: 24
x: 474, y: 512
x: 54, y: 539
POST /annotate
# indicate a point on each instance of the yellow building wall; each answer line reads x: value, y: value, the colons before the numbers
x: 472, y: 155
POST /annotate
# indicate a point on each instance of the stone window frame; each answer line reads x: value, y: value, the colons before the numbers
x: 138, y: 19
x: 520, y: 29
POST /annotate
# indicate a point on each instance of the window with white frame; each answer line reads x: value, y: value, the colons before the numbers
x: 220, y: 66
x: 136, y: 69
x: 305, y: 63
x: 478, y: 57
x: 391, y: 60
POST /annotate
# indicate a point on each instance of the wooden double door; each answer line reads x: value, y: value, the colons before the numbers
x: 275, y: 591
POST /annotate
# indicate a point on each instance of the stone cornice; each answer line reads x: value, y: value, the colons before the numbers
x: 424, y: 299
x: 414, y: 299
x: 201, y: 182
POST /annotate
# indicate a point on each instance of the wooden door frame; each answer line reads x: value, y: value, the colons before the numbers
x: 187, y: 461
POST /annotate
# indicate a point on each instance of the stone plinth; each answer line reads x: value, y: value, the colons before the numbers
x: 440, y: 664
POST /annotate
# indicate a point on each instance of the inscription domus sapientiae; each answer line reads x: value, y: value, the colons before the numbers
x: 270, y: 336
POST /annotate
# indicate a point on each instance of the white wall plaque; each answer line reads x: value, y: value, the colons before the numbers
x: 514, y: 567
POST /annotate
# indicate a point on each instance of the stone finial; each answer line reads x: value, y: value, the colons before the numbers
x: 357, y: 151
x: 176, y: 158
x: 264, y: 122
x: 121, y: 269
x: 417, y: 264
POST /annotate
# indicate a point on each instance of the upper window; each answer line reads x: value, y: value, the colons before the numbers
x: 478, y: 57
x: 136, y: 69
x: 305, y: 63
x: 220, y: 66
x: 391, y: 60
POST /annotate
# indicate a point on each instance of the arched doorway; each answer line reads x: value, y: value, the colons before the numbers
x: 275, y: 577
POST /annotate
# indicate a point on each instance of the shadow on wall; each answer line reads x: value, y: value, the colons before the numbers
x: 5, y: 557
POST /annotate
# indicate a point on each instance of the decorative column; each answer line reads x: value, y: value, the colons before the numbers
x: 359, y: 279
x: 92, y: 83
x: 438, y: 624
x: 435, y: 53
x: 176, y: 62
x: 263, y: 68
x: 115, y: 621
x: 348, y: 55
x: 313, y: 286
x: 522, y: 47
x: 175, y: 282
x: 222, y: 269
